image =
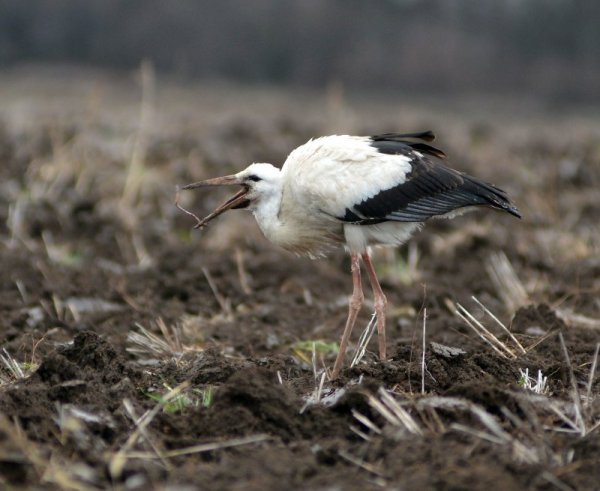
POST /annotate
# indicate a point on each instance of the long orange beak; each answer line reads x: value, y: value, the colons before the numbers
x: 238, y: 200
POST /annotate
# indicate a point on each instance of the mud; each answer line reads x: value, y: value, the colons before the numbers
x: 84, y: 266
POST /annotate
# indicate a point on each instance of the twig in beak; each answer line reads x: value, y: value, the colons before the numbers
x: 236, y: 201
x: 187, y: 212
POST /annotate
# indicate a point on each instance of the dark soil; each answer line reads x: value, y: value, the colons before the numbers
x: 79, y: 274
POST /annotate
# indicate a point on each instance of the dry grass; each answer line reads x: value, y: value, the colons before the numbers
x: 57, y: 471
x: 363, y: 341
x: 172, y: 342
x: 125, y: 151
x: 510, y: 348
x: 422, y: 419
x: 14, y: 370
x: 507, y: 283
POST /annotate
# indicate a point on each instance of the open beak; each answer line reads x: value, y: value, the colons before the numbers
x: 238, y: 200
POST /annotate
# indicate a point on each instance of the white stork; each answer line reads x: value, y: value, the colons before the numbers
x: 357, y: 192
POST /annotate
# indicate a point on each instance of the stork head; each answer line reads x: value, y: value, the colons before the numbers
x: 258, y: 181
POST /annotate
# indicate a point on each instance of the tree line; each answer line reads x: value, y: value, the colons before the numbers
x: 548, y: 46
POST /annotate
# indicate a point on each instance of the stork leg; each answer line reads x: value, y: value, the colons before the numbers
x: 380, y: 302
x: 355, y: 304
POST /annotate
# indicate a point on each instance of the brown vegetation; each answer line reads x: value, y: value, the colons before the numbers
x: 137, y: 354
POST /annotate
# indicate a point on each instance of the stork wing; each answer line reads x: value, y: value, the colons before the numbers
x: 383, y: 178
x: 399, y: 144
x: 430, y: 190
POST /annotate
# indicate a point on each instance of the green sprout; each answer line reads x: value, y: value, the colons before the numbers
x: 304, y: 350
x: 195, y: 398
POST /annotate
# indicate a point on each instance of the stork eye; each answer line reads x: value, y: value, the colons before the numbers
x: 254, y: 178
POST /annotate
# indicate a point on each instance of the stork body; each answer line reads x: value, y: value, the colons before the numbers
x: 357, y: 192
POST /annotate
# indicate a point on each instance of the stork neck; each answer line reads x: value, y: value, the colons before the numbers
x: 267, y: 212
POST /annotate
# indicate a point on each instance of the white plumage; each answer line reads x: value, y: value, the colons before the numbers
x: 357, y: 192
x: 326, y: 176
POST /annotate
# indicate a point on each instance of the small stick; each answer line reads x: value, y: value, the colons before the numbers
x: 187, y: 212
x: 22, y: 290
x: 552, y: 479
x: 12, y: 365
x: 507, y: 283
x: 363, y: 341
x: 366, y: 421
x: 502, y: 326
x: 399, y: 412
x: 423, y: 359
x: 577, y: 320
x: 488, y: 334
x: 477, y: 330
x: 395, y: 414
x: 157, y: 452
x: 360, y: 463
x: 592, y: 373
x: 205, y: 447
x: 477, y: 433
x: 223, y: 303
x: 576, y: 396
x: 361, y: 434
x: 313, y: 360
x: 45, y: 468
x: 564, y: 418
x: 119, y: 459
x: 242, y: 273
x: 321, y: 383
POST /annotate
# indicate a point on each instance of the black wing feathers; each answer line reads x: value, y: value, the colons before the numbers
x: 427, y: 136
x: 397, y: 144
x: 430, y: 190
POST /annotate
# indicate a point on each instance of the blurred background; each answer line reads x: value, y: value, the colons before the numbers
x: 106, y: 105
x: 544, y: 48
